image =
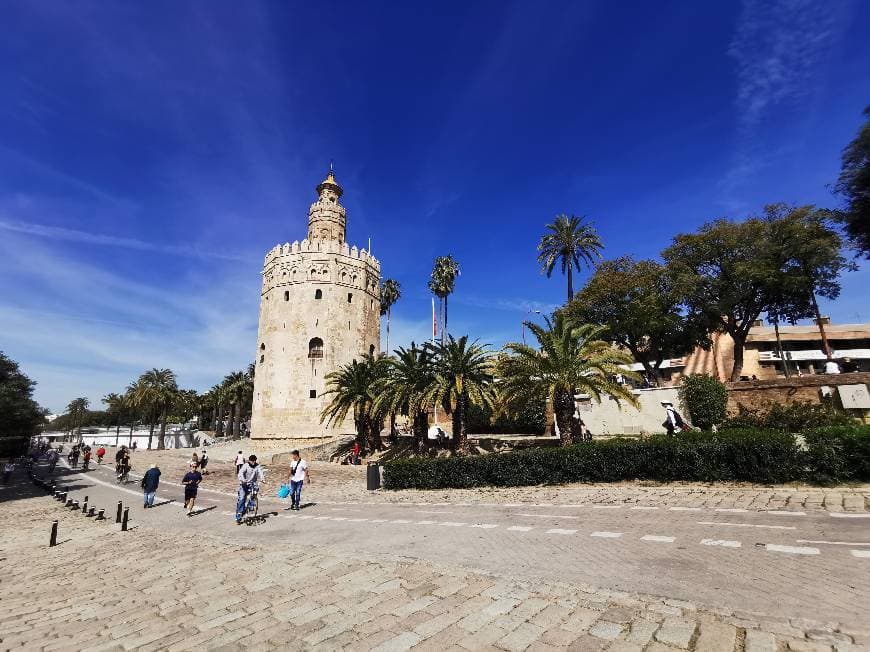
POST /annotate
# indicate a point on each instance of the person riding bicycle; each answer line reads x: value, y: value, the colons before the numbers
x: 53, y: 457
x: 123, y: 463
x: 250, y: 475
x: 101, y: 452
x: 86, y: 460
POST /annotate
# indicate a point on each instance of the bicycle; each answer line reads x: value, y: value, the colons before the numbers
x: 123, y: 473
x: 252, y: 506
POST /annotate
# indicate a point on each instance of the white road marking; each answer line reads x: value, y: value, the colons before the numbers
x: 339, y: 518
x: 484, y: 526
x: 356, y: 520
x: 684, y: 509
x: 557, y: 530
x: 606, y: 535
x: 452, y: 524
x: 606, y: 506
x: 657, y: 539
x: 426, y: 522
x: 794, y: 550
x: 861, y: 553
x: 850, y: 514
x: 519, y: 528
x: 731, y: 509
x: 766, y: 527
x: 512, y: 505
x: 572, y: 505
x: 835, y: 543
x: 423, y: 511
x: 785, y: 512
x: 322, y: 518
x: 720, y: 542
x: 644, y: 507
x: 549, y: 516
x: 379, y: 520
x: 400, y: 520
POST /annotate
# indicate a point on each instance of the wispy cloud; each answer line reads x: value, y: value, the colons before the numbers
x: 507, y: 304
x: 103, y: 239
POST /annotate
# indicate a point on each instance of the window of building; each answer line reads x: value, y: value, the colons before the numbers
x: 371, y: 349
x: 312, y: 393
x: 262, y: 346
x: 262, y: 358
x: 350, y: 297
x: 318, y: 294
x: 315, y: 348
x: 286, y: 295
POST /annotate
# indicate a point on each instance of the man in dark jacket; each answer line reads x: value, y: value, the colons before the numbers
x: 150, y: 482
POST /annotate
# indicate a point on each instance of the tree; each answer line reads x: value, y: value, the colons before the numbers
x: 724, y: 274
x: 352, y: 388
x: 570, y: 358
x: 159, y: 389
x: 571, y: 243
x: 234, y: 386
x: 20, y: 415
x: 441, y: 283
x: 463, y: 375
x: 115, y: 406
x: 405, y: 388
x: 391, y: 291
x: 637, y: 303
x: 810, y: 254
x: 186, y: 404
x: 77, y: 409
x: 854, y: 186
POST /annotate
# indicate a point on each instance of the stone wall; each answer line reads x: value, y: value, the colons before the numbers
x: 755, y: 394
x: 611, y: 417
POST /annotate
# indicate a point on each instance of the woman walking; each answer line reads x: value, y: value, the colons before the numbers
x: 191, y: 482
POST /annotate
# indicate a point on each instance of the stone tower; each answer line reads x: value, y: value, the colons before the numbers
x: 319, y: 309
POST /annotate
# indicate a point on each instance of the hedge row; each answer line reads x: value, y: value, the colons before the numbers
x: 830, y: 455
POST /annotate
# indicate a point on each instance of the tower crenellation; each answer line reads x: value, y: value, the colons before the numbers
x: 319, y: 310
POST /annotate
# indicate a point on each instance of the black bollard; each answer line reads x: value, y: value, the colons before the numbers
x: 91, y: 512
x: 75, y: 505
x: 101, y: 515
x: 68, y: 503
x: 124, y: 522
x: 53, y: 540
x: 63, y: 496
x: 118, y: 514
x: 373, y: 476
x: 85, y: 506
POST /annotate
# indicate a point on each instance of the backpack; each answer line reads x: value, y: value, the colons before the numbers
x: 678, y: 420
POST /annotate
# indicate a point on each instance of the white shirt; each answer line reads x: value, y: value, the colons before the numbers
x: 240, y: 459
x: 832, y: 367
x: 301, y: 467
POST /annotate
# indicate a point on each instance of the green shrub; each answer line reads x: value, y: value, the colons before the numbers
x: 751, y: 456
x: 838, y: 454
x: 789, y: 417
x: 705, y: 398
x: 529, y: 419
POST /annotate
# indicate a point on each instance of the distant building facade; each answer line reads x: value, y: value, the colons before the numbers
x: 802, y: 348
x: 319, y: 310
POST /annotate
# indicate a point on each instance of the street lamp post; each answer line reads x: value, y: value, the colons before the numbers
x: 528, y: 312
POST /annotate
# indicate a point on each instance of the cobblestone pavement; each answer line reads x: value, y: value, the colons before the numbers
x: 342, y: 577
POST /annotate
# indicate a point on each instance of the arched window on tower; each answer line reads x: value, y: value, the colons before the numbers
x: 318, y: 294
x: 371, y: 349
x: 315, y: 348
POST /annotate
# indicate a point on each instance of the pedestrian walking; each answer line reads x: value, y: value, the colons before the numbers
x: 53, y: 457
x: 240, y: 462
x: 101, y: 453
x: 150, y: 482
x: 297, y: 477
x: 86, y: 459
x: 203, y: 462
x: 673, y: 420
x: 8, y: 470
x: 194, y: 459
x: 191, y: 482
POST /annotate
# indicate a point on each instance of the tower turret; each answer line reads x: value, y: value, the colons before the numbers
x: 327, y: 219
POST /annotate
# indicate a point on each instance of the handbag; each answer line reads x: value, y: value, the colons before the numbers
x: 283, y: 491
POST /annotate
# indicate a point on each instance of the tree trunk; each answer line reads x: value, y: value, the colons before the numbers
x: 237, y: 419
x: 161, y: 443
x: 388, y: 332
x: 779, y: 346
x: 739, y: 343
x: 132, y: 425
x: 375, y: 426
x: 455, y: 426
x: 826, y: 348
x: 421, y: 431
x: 117, y: 431
x: 462, y: 409
x: 219, y: 421
x: 444, y: 332
x: 563, y: 411
x: 570, y: 282
x: 150, y: 432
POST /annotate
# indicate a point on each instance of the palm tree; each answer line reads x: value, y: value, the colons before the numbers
x: 219, y: 397
x: 234, y: 386
x: 570, y: 242
x: 570, y: 359
x: 115, y: 405
x: 159, y: 390
x: 391, y: 291
x: 442, y: 283
x: 406, y: 387
x: 77, y: 409
x: 463, y: 375
x: 131, y: 404
x: 353, y: 388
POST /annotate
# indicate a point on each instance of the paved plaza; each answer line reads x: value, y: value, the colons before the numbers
x: 580, y: 568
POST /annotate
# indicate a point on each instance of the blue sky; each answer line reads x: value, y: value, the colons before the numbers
x: 151, y: 153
